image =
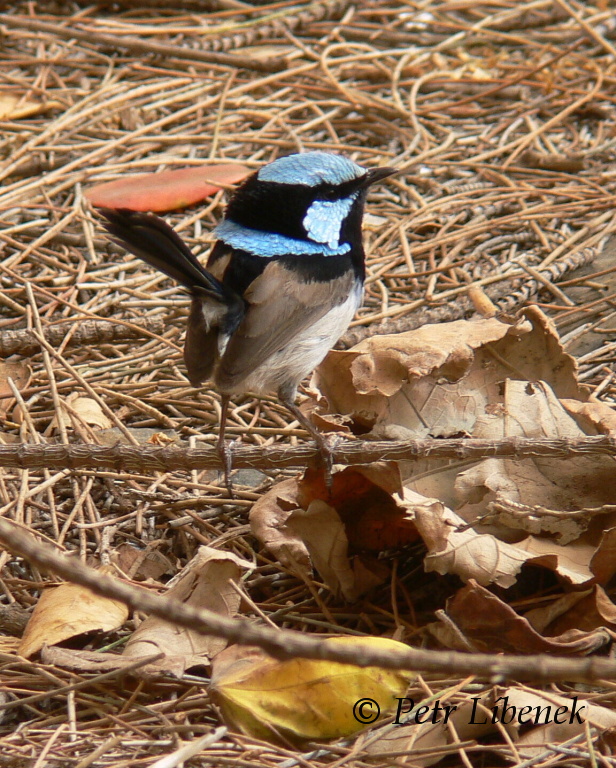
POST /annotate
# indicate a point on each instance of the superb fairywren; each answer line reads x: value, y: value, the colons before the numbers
x: 282, y: 282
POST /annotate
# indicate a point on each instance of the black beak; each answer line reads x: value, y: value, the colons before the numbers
x: 377, y: 174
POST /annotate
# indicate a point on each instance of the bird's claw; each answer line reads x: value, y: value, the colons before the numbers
x: 225, y: 451
x: 327, y: 445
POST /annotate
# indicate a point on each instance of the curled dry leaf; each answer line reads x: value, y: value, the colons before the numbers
x: 66, y: 611
x: 456, y: 547
x: 20, y: 374
x: 587, y: 610
x: 592, y: 417
x: 204, y: 583
x: 393, y: 379
x: 440, y: 379
x: 167, y: 190
x: 304, y: 524
x: 571, y: 562
x: 434, y: 730
x: 603, y: 561
x: 324, y: 534
x: 82, y: 409
x: 268, y: 522
x: 490, y: 625
x: 576, y: 716
x: 302, y: 698
x: 453, y: 547
x: 535, y: 495
x: 16, y: 106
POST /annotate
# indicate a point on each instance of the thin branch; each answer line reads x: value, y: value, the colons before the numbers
x: 288, y: 644
x: 135, y: 45
x: 22, y: 342
x: 144, y: 458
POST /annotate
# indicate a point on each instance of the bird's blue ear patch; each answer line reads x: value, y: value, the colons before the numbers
x: 311, y: 169
x: 323, y: 220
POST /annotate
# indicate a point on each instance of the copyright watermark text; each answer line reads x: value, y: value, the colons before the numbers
x: 367, y: 711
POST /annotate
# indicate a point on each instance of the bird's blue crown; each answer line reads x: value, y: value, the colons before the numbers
x: 311, y: 169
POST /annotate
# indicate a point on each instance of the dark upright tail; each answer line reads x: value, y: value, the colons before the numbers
x: 216, y: 310
x: 151, y: 239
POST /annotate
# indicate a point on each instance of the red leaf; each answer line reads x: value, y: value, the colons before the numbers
x: 165, y: 191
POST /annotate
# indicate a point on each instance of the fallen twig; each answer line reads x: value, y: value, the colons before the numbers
x: 22, y: 342
x: 284, y: 643
x: 145, y: 458
x: 135, y: 45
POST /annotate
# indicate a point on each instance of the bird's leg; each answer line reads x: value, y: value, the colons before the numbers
x: 223, y: 448
x: 324, y: 447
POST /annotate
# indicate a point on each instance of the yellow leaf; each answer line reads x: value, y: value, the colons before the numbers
x: 304, y: 698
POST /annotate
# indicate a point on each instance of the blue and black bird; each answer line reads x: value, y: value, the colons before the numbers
x: 282, y: 282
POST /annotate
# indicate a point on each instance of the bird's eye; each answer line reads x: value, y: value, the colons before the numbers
x: 329, y: 194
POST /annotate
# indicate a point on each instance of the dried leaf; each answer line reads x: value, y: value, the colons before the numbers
x: 592, y: 418
x: 351, y: 483
x: 324, y: 534
x: 439, y: 379
x: 456, y: 547
x: 448, y: 379
x: 83, y: 409
x: 20, y: 373
x: 301, y: 698
x: 14, y: 106
x: 66, y: 611
x: 588, y: 610
x: 572, y: 721
x: 464, y: 552
x: 203, y: 583
x: 570, y: 562
x: 493, y: 626
x: 603, y: 561
x: 394, y: 378
x: 522, y: 493
x: 541, y: 618
x: 165, y: 191
x: 296, y: 523
x: 268, y: 522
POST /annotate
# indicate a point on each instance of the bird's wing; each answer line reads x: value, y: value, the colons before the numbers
x: 279, y: 307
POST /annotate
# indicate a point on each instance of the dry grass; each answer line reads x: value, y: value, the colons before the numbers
x: 500, y: 117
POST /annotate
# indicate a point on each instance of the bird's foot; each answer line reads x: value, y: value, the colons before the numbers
x: 327, y: 445
x: 225, y: 451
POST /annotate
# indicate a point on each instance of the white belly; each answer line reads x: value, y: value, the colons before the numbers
x: 297, y: 359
